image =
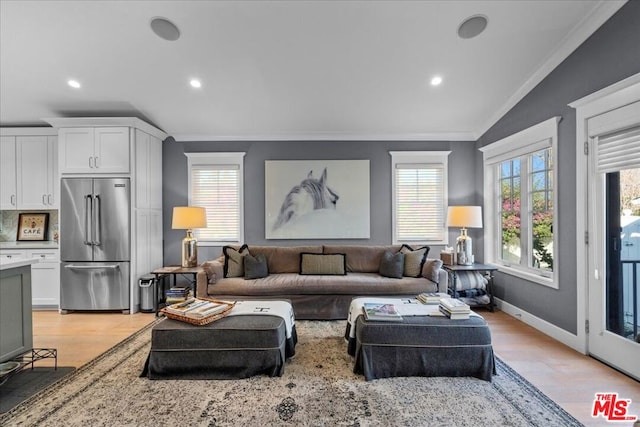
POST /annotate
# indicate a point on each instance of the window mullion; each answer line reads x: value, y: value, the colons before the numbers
x: 526, y: 211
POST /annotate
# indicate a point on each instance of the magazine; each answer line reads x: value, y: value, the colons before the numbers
x: 381, y: 311
x: 196, y: 308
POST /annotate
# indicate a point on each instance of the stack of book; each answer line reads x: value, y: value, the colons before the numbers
x: 175, y: 295
x: 196, y: 308
x: 454, y: 308
x: 381, y: 311
x: 431, y: 297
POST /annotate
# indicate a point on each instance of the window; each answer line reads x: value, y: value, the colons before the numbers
x: 216, y: 183
x: 519, y: 177
x: 419, y: 196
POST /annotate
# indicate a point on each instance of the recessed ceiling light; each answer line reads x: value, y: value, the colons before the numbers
x: 74, y: 84
x: 436, y: 80
x: 472, y: 26
x: 165, y: 29
x: 195, y: 83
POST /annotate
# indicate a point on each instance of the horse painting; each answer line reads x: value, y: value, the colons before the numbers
x: 311, y: 194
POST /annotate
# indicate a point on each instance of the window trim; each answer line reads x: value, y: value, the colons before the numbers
x: 539, y: 137
x: 216, y: 158
x: 420, y: 157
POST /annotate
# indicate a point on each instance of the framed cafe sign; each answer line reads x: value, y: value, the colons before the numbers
x: 32, y: 226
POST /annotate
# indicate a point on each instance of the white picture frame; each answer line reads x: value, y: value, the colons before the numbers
x: 317, y: 199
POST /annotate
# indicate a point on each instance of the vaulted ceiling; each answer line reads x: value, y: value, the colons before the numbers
x: 270, y: 70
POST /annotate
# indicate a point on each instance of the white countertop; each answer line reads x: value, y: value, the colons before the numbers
x: 47, y: 244
x: 7, y: 265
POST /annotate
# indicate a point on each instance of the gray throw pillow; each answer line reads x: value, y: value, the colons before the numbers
x: 392, y: 265
x: 333, y: 264
x: 255, y: 267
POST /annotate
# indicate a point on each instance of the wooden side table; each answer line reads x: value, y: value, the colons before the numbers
x: 475, y: 268
x: 174, y: 270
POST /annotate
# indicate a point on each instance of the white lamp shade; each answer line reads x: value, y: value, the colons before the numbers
x: 188, y: 217
x: 464, y: 216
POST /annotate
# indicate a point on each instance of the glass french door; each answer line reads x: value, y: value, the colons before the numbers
x: 614, y: 251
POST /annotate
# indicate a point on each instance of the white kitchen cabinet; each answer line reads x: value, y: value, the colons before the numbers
x: 37, y: 172
x: 94, y: 150
x: 148, y: 171
x: 12, y: 255
x: 45, y: 278
x: 29, y: 168
x: 8, y: 196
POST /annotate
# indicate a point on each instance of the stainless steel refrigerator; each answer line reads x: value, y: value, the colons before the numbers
x: 94, y: 243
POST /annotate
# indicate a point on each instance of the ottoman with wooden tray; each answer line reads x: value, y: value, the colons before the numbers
x: 230, y: 347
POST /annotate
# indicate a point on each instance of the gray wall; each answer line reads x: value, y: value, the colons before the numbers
x: 608, y: 56
x: 461, y: 183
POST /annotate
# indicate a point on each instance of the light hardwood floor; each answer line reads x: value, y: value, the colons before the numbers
x: 568, y: 377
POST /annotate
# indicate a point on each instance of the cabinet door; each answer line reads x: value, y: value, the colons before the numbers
x: 155, y: 173
x: 32, y: 159
x: 8, y: 183
x: 52, y: 173
x: 11, y: 255
x: 76, y: 150
x: 142, y: 169
x: 112, y: 150
x: 45, y: 284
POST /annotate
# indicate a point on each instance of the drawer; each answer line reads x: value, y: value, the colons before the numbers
x: 44, y: 255
x: 12, y: 255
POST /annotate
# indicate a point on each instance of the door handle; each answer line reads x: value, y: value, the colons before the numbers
x: 49, y: 197
x: 13, y: 200
x: 92, y: 267
x: 44, y: 199
x: 96, y: 220
x: 95, y: 162
x: 88, y: 208
x: 91, y: 162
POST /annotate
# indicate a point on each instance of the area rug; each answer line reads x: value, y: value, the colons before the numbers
x: 318, y: 388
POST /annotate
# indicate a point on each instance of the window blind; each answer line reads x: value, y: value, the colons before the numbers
x: 420, y: 201
x: 217, y: 188
x: 619, y: 150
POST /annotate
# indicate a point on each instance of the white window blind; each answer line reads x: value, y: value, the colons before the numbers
x: 215, y: 183
x: 419, y: 202
x: 419, y: 196
x: 618, y: 151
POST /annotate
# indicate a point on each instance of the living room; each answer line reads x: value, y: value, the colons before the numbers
x: 603, y: 58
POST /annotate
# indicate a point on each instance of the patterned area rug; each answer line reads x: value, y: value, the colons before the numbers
x: 318, y: 388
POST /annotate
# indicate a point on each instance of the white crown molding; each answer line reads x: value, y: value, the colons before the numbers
x: 29, y: 131
x: 581, y: 32
x: 330, y: 136
x: 134, y: 122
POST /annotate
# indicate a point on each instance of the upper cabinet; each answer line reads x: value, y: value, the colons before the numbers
x: 94, y: 150
x: 29, y: 168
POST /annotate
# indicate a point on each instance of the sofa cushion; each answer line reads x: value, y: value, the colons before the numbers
x: 392, y: 265
x: 414, y: 260
x: 233, y: 260
x: 255, y: 267
x: 283, y: 259
x: 361, y: 259
x: 331, y: 264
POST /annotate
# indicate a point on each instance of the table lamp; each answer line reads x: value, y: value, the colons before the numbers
x: 464, y: 217
x: 188, y: 218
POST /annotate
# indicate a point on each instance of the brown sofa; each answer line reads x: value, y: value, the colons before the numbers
x: 319, y: 296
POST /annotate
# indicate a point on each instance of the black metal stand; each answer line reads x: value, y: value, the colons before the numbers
x: 28, y: 358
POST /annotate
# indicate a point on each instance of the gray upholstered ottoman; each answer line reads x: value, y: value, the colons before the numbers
x: 423, y: 346
x: 229, y: 348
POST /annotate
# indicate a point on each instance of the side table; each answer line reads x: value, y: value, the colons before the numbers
x: 476, y: 268
x: 174, y: 270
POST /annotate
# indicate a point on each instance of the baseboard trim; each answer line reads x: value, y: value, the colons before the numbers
x: 542, y: 325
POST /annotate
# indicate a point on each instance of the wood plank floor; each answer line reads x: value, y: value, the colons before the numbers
x: 568, y: 377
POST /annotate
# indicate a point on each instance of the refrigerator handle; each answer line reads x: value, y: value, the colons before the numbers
x: 96, y: 220
x: 88, y: 211
x: 91, y: 267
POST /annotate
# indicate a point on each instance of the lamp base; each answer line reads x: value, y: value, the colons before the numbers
x: 464, y: 248
x: 189, y: 250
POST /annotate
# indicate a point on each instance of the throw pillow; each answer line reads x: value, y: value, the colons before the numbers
x: 414, y: 260
x: 255, y: 267
x: 392, y: 265
x: 431, y: 268
x: 334, y: 264
x: 233, y: 263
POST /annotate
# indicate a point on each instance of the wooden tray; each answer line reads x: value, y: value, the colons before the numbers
x: 204, y: 320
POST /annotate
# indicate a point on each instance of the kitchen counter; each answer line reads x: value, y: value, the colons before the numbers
x: 8, y: 265
x: 47, y: 244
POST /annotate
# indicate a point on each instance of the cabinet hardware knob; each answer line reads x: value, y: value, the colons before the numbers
x: 91, y: 162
